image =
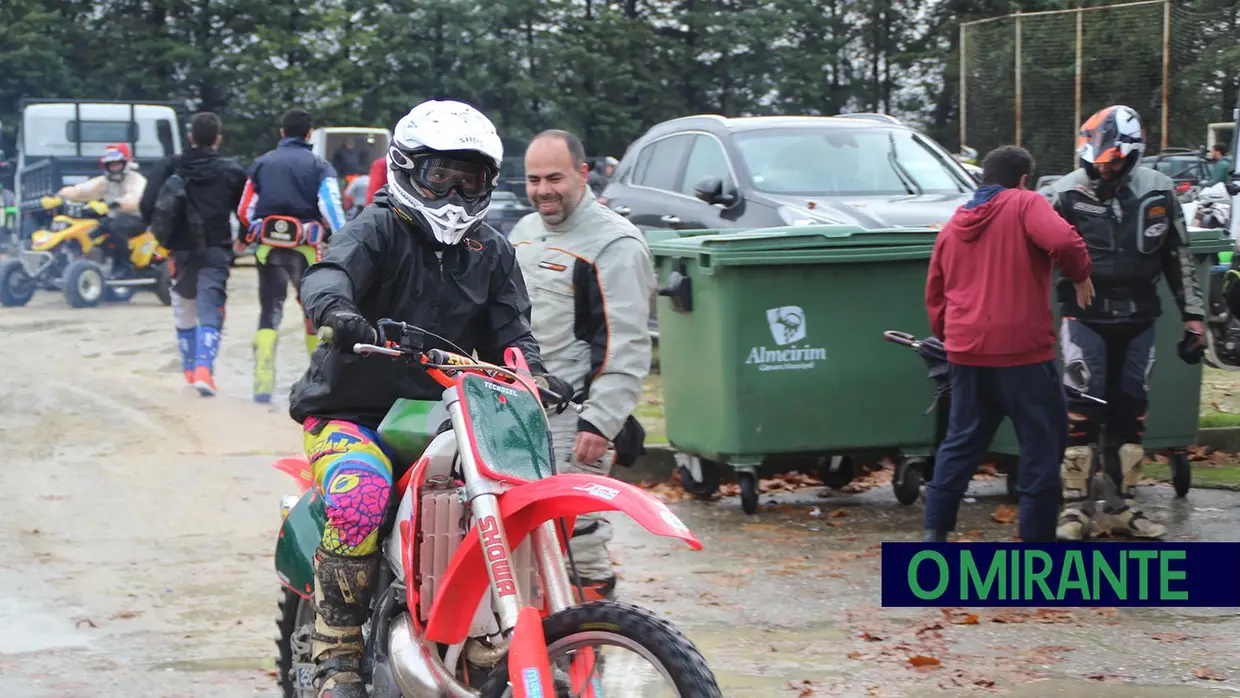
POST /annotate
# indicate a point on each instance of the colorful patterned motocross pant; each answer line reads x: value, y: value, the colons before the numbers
x: 354, y: 477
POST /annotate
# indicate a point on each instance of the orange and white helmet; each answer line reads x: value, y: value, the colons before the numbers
x: 1113, y: 133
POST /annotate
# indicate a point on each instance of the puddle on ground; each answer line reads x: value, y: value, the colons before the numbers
x: 24, y: 628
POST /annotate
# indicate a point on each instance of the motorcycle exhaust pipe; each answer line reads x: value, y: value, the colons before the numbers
x: 130, y: 282
x: 415, y: 662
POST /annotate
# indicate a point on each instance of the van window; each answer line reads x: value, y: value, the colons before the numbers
x: 101, y: 131
x: 367, y: 148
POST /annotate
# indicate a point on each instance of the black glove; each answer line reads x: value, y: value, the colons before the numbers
x: 1192, y: 347
x: 349, y: 328
x: 558, y: 386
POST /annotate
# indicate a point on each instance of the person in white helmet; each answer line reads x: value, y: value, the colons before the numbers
x: 421, y: 254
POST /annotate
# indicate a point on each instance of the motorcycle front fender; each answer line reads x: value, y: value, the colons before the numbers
x: 525, y: 508
x: 299, y: 468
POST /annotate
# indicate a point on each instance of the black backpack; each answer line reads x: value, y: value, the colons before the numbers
x: 174, y: 212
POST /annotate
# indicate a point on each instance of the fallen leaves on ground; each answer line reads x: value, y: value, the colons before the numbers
x: 1205, y: 673
x: 959, y: 617
x: 669, y: 491
x: 1170, y: 637
x: 803, y: 687
x: 921, y: 661
x: 1004, y: 514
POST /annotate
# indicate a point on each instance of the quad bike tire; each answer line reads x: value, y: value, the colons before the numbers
x: 680, y: 659
x: 14, y: 292
x: 291, y: 608
x: 83, y: 284
x: 163, y: 283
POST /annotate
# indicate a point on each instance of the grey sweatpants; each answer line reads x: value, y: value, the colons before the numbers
x: 592, y: 531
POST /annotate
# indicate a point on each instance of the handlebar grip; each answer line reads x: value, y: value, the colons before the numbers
x: 903, y: 338
x: 326, y: 334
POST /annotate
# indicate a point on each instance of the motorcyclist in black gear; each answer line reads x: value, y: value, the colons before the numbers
x: 420, y: 254
x: 1131, y: 221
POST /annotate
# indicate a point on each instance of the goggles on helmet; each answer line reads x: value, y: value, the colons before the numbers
x: 440, y: 174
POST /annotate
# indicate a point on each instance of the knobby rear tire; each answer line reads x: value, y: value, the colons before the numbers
x: 682, y: 661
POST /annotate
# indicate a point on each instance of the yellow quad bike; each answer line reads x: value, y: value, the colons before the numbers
x: 68, y: 256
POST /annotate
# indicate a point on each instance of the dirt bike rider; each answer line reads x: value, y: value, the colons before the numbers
x: 1131, y: 221
x: 290, y: 207
x: 120, y: 188
x: 419, y: 254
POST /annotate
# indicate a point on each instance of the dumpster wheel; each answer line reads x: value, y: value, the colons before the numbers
x: 1181, y: 473
x: 703, y: 483
x: 836, y: 471
x: 910, y: 474
x: 749, y: 491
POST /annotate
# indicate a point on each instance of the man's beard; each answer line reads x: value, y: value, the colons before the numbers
x: 566, y: 209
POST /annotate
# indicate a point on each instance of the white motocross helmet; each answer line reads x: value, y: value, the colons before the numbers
x: 443, y: 165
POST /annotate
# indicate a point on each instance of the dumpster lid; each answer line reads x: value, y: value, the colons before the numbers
x: 1207, y: 240
x: 801, y: 237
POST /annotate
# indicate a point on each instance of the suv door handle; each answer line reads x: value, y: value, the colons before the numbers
x: 623, y: 210
x: 670, y: 220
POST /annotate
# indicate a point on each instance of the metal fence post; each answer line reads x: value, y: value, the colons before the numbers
x: 1018, y: 90
x: 1166, y: 68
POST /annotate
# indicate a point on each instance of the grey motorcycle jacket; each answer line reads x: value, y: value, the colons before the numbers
x: 1134, y: 238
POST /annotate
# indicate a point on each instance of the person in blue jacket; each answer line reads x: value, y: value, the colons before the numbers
x: 290, y: 207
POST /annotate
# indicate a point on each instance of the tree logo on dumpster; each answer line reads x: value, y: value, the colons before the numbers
x: 787, y: 324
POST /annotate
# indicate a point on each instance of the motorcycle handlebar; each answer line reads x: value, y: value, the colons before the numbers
x: 438, y: 358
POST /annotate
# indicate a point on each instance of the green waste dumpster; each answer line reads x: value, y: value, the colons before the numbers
x: 768, y: 345
x: 1174, y: 388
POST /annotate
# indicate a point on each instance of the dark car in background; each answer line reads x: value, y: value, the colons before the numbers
x: 708, y: 171
x: 506, y: 209
x: 1187, y: 167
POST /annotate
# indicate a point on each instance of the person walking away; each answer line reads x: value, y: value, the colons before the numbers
x: 988, y: 297
x: 1220, y: 171
x: 592, y: 278
x: 201, y: 259
x: 1131, y: 221
x: 120, y: 188
x: 377, y: 178
x: 420, y: 254
x: 290, y: 208
x: 601, y: 174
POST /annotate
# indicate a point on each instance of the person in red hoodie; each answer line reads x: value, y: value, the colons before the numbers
x: 988, y: 295
x: 378, y: 177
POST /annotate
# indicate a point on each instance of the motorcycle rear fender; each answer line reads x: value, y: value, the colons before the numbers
x: 523, y: 509
x: 299, y: 468
x: 300, y: 535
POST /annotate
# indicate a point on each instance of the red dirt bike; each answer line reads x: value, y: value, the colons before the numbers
x: 476, y: 591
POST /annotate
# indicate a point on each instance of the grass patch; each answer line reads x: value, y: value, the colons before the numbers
x: 1215, y: 419
x: 650, y: 411
x: 1205, y: 475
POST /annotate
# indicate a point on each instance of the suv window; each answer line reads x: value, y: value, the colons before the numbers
x: 658, y: 166
x: 845, y: 162
x: 706, y: 159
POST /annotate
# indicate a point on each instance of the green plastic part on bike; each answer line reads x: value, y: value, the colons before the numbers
x: 300, y: 535
x: 409, y: 427
x: 1225, y: 257
x: 510, y: 429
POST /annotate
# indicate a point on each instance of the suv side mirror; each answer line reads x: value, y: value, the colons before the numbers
x: 710, y: 190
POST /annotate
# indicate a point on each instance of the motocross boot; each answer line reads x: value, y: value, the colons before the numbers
x: 1076, y: 518
x: 342, y: 592
x: 207, y: 343
x: 264, y: 364
x: 1127, y: 519
x: 187, y: 343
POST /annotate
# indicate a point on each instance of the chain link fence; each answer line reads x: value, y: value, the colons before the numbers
x: 1031, y: 79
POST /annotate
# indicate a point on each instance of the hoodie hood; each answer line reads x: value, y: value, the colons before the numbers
x: 975, y: 216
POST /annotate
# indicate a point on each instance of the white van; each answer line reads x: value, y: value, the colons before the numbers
x: 59, y: 142
x: 373, y: 142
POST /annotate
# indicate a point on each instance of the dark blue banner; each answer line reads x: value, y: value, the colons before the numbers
x: 1061, y: 574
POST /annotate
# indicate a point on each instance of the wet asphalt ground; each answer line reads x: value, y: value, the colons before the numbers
x: 138, y: 522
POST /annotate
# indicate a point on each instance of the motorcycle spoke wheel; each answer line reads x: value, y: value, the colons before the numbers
x: 616, y: 650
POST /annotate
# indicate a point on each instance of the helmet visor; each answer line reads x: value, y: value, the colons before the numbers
x: 440, y: 174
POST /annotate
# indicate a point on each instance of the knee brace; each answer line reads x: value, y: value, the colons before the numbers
x: 184, y: 312
x: 1075, y: 472
x: 1131, y: 458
